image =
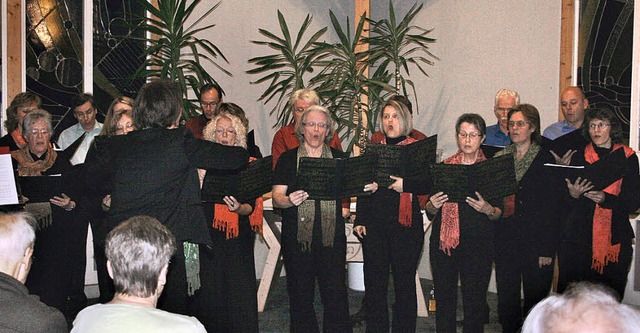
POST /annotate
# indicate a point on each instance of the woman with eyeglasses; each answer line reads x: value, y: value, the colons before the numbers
x: 390, y: 227
x: 597, y: 237
x: 50, y: 276
x: 526, y: 238
x: 227, y: 300
x: 314, y: 244
x: 461, y: 244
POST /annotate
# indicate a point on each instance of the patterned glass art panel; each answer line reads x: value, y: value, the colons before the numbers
x: 54, y: 55
x: 116, y: 52
x: 605, y: 55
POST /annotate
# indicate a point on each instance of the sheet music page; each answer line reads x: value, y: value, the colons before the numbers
x: 8, y: 190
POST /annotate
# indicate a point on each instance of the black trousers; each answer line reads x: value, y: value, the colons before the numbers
x: 516, y: 267
x: 471, y: 261
x: 227, y: 300
x: 327, y: 264
x: 398, y: 247
x: 574, y: 263
x: 174, y: 298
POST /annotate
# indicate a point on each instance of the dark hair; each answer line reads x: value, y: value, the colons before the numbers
x: 112, y: 117
x: 473, y: 119
x: 158, y: 105
x: 235, y: 110
x: 404, y: 100
x: 532, y: 115
x: 208, y: 87
x: 78, y: 100
x: 21, y: 99
x: 603, y: 114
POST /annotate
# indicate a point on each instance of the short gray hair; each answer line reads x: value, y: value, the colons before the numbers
x: 17, y: 233
x: 32, y: 118
x: 507, y: 93
x: 299, y: 129
x: 571, y: 306
x: 138, y: 249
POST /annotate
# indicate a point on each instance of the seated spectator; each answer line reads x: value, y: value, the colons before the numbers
x: 584, y: 307
x: 21, y: 312
x: 138, y: 252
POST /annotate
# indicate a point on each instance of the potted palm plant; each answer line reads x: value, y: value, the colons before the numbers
x: 174, y: 52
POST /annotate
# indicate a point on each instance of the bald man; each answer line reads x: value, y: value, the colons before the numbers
x: 573, y: 104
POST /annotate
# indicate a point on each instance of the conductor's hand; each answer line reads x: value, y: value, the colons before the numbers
x: 360, y: 231
x: 397, y: 184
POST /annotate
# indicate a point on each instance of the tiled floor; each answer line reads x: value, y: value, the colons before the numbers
x: 275, y: 318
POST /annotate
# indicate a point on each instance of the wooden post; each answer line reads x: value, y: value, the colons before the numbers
x: 566, y: 48
x: 362, y: 7
x: 14, y: 49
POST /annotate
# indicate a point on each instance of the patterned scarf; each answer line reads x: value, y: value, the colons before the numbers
x: 405, y: 213
x: 521, y: 166
x: 307, y: 209
x: 16, y: 134
x: 603, y: 251
x: 226, y: 220
x: 450, y: 228
x: 28, y: 167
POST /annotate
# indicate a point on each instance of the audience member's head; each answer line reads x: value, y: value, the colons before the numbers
x: 573, y: 104
x: 17, y: 237
x: 158, y: 105
x: 210, y: 99
x: 584, y: 307
x: 505, y: 100
x: 138, y: 253
x: 22, y: 104
x: 119, y: 119
x: 300, y: 100
x: 235, y: 110
x: 84, y: 110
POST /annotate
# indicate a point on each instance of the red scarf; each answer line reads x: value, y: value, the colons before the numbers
x: 603, y: 251
x: 450, y: 227
x: 405, y: 213
x: 226, y: 220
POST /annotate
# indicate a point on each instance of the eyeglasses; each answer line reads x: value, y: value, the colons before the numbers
x: 228, y: 131
x: 85, y: 114
x: 35, y: 132
x: 314, y: 124
x: 598, y: 125
x: 209, y: 104
x: 519, y: 123
x: 471, y: 136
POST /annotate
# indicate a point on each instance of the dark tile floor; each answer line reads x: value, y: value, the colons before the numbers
x: 275, y: 318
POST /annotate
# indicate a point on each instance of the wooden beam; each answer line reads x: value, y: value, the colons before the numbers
x: 14, y: 49
x: 567, y: 37
x: 362, y: 7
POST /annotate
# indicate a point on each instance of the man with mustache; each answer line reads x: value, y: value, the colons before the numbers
x: 498, y: 134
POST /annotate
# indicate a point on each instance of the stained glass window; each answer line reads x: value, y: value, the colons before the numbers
x: 605, y: 55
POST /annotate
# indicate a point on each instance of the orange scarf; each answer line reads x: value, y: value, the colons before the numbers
x: 405, y: 213
x: 450, y: 226
x: 28, y: 167
x: 16, y: 134
x: 603, y: 251
x: 226, y: 220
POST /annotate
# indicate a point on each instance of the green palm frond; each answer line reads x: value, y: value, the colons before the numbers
x: 173, y: 52
x: 285, y: 69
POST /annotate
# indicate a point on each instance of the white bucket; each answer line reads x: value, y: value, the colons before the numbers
x: 356, y: 275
